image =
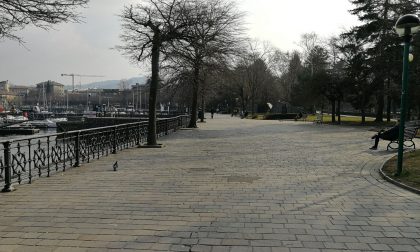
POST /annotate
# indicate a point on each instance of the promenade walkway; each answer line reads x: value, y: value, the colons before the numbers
x: 232, y: 185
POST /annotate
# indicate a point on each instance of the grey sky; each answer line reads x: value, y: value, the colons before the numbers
x: 85, y: 48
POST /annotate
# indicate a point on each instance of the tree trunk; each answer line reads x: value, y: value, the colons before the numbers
x: 408, y: 115
x: 252, y: 105
x: 388, y: 101
x: 381, y: 104
x: 363, y: 116
x: 194, y: 106
x: 418, y: 112
x: 333, y: 110
x: 242, y: 97
x: 202, y: 107
x: 339, y: 110
x: 154, y: 86
x: 381, y: 94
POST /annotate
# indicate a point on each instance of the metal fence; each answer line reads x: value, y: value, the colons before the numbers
x: 23, y: 160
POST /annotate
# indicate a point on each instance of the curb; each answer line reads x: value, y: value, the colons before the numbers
x: 397, y: 183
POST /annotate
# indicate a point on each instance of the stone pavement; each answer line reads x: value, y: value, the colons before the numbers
x: 232, y: 185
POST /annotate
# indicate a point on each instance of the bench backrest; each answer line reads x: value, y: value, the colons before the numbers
x: 410, y: 133
x: 413, y: 124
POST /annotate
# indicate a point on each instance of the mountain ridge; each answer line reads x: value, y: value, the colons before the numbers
x: 110, y: 84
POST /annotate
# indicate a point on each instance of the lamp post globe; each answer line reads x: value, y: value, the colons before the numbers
x: 405, y: 27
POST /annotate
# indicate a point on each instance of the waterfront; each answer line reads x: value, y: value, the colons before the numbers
x: 232, y: 185
x: 42, y: 132
x: 26, y: 158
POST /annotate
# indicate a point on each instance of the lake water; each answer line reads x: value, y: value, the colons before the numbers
x: 42, y: 132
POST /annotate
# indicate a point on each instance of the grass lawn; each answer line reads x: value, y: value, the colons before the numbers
x: 411, y: 169
x: 352, y: 120
x: 345, y: 120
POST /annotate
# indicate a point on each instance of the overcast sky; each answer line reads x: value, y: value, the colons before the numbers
x: 86, y: 48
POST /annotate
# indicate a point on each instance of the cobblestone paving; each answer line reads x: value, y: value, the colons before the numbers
x: 232, y: 185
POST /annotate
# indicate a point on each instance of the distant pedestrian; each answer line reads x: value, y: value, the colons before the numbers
x: 212, y: 113
x: 200, y: 114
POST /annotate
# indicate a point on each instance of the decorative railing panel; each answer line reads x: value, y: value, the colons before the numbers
x: 23, y: 160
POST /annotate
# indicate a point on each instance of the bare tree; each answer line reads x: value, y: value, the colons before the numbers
x: 289, y: 78
x: 16, y: 14
x: 148, y: 28
x: 237, y: 84
x: 278, y: 62
x: 123, y: 84
x: 308, y: 42
x: 336, y: 70
x: 214, y: 34
x: 256, y: 62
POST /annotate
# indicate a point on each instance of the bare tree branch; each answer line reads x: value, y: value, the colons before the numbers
x: 16, y: 14
x: 215, y: 34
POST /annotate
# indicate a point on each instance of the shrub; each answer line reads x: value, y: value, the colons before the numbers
x: 280, y: 116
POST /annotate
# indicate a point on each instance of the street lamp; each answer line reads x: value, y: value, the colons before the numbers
x: 406, y: 26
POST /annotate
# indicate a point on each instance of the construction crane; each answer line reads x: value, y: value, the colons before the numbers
x: 79, y: 75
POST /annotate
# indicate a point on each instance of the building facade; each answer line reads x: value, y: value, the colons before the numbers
x: 51, y: 88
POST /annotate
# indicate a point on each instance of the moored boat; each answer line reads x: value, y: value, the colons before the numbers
x: 40, y: 124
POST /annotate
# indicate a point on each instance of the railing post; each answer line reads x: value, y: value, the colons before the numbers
x: 167, y: 126
x: 139, y: 134
x: 64, y: 151
x: 127, y: 135
x: 29, y: 161
x: 7, y: 168
x: 77, y: 150
x: 174, y: 125
x: 48, y: 157
x: 114, y: 141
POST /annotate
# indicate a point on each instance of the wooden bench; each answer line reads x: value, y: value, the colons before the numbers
x: 409, y: 134
x: 319, y: 118
x: 303, y: 118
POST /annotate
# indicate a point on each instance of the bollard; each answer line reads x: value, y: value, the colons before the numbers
x: 7, y: 169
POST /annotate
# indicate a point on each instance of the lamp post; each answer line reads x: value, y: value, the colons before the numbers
x: 406, y: 26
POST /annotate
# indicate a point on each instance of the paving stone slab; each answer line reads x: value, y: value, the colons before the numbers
x: 232, y: 185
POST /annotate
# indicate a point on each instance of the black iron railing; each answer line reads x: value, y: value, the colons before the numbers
x: 23, y: 160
